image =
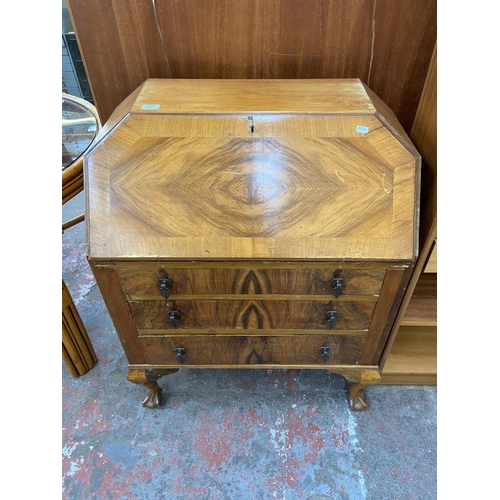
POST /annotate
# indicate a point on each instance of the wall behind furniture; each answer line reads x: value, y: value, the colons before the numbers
x: 386, y: 43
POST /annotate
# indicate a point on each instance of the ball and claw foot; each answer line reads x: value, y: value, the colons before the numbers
x: 148, y: 379
x: 357, y: 400
x: 153, y: 397
x: 358, y: 379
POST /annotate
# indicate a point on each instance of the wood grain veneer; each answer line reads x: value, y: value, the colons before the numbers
x: 238, y: 350
x: 254, y: 194
x: 214, y: 281
x: 244, y: 314
x: 307, y: 96
x: 279, y: 216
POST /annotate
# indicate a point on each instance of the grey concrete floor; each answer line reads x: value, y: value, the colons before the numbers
x: 232, y: 434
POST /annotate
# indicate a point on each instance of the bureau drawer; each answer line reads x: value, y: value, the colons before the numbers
x: 213, y: 281
x: 290, y: 350
x: 251, y: 314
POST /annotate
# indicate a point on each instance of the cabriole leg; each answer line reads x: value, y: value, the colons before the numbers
x: 148, y: 379
x: 359, y: 380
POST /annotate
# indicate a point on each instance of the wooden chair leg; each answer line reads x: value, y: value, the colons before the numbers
x: 78, y: 352
x: 72, y: 222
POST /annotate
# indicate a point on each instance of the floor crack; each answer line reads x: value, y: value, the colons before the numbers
x: 217, y: 484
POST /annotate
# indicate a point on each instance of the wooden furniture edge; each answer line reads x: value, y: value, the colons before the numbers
x: 117, y: 306
x: 426, y: 110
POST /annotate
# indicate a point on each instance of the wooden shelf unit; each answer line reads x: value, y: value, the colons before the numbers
x: 410, y: 356
x: 422, y: 308
x: 413, y: 357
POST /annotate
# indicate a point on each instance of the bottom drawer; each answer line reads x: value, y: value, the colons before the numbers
x: 287, y: 350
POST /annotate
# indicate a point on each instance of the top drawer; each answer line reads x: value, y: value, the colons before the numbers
x: 214, y: 281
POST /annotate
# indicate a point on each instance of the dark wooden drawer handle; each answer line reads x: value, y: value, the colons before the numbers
x: 337, y: 284
x: 325, y: 351
x: 179, y: 354
x: 165, y: 292
x: 331, y: 315
x: 173, y: 321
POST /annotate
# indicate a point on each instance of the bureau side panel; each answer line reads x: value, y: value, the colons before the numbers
x: 384, y: 315
x: 109, y: 285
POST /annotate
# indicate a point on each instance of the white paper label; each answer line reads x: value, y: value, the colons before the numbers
x: 362, y: 129
x: 150, y: 106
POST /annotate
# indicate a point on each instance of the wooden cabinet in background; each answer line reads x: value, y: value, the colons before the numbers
x: 410, y: 357
x: 253, y: 224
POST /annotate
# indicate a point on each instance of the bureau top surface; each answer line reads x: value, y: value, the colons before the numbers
x: 253, y: 96
x: 252, y: 169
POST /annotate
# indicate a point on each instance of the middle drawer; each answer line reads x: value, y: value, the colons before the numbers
x: 251, y: 314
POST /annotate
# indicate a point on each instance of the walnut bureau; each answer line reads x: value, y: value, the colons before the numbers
x: 252, y: 224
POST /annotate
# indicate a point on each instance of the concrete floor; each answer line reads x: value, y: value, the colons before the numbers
x: 232, y: 434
